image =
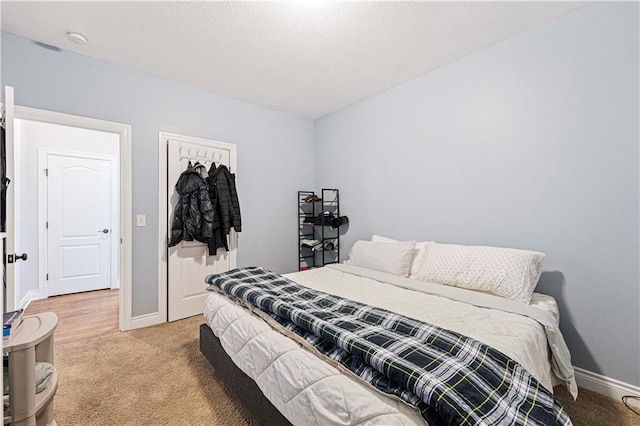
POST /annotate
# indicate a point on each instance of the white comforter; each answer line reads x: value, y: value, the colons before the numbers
x: 310, y: 391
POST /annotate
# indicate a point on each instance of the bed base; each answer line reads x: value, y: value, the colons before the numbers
x: 243, y: 388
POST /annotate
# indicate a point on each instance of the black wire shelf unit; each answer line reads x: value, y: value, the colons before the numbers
x: 314, y: 223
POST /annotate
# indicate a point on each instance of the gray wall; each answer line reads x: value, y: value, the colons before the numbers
x: 275, y: 149
x: 532, y: 143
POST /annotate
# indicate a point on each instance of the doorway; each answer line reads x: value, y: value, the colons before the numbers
x: 72, y: 183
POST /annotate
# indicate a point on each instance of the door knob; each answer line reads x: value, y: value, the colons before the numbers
x: 11, y: 258
x: 104, y: 231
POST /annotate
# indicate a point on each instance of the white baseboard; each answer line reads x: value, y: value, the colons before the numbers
x: 146, y: 320
x: 31, y: 295
x: 115, y: 285
x: 606, y: 386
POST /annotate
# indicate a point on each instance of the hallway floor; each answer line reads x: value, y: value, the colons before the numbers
x: 81, y: 315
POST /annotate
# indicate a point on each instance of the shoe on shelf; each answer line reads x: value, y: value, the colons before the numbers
x: 337, y: 222
x: 311, y: 198
x: 328, y: 246
x: 324, y: 218
x: 310, y: 243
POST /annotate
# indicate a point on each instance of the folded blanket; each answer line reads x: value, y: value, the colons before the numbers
x: 463, y: 380
x: 44, y: 371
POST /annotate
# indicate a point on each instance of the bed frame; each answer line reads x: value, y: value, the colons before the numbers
x: 244, y: 389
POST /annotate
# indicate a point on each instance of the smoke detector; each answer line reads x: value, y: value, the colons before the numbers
x: 77, y: 38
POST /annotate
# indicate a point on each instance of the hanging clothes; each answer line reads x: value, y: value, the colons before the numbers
x: 223, y: 193
x: 193, y: 215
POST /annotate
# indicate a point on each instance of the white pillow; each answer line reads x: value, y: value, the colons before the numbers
x: 509, y: 273
x: 418, y: 253
x: 392, y: 257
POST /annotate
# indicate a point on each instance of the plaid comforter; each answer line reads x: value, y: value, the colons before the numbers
x: 463, y: 380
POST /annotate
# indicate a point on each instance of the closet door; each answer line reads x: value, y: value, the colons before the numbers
x: 189, y: 261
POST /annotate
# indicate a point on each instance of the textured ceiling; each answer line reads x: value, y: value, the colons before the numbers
x: 306, y: 57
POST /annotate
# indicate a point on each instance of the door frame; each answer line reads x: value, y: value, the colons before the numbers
x: 124, y: 190
x: 163, y: 216
x: 9, y: 237
x: 43, y: 210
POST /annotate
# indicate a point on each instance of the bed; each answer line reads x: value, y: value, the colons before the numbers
x: 282, y: 379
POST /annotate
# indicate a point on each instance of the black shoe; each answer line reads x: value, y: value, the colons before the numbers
x: 310, y: 243
x: 324, y: 219
x: 337, y: 222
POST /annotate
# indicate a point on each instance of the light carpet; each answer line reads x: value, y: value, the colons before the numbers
x: 157, y: 376
x: 150, y: 376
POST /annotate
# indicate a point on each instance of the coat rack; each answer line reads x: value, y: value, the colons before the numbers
x: 202, y: 155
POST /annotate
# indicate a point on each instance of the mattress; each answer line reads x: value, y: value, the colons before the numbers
x: 309, y: 389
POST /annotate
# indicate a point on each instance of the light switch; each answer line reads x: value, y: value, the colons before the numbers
x: 141, y: 220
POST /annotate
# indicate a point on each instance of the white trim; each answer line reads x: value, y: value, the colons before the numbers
x: 17, y: 182
x: 10, y: 219
x: 146, y: 320
x: 606, y: 386
x: 43, y: 163
x: 125, y: 190
x: 163, y: 237
x: 31, y: 295
x: 126, y: 231
x: 42, y: 233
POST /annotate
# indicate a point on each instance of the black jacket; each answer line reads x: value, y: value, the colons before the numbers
x: 223, y: 193
x: 193, y: 215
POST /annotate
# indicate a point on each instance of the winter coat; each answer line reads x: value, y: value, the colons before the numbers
x: 193, y: 214
x: 223, y: 193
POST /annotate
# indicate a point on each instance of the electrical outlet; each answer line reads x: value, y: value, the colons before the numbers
x: 141, y: 220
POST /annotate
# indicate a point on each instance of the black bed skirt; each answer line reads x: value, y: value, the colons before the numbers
x: 245, y: 390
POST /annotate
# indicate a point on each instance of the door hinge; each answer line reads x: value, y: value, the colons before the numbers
x: 46, y: 225
x: 47, y: 277
x: 46, y: 172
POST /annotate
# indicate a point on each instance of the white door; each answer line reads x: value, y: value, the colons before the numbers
x: 79, y: 224
x: 11, y: 237
x: 189, y: 261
